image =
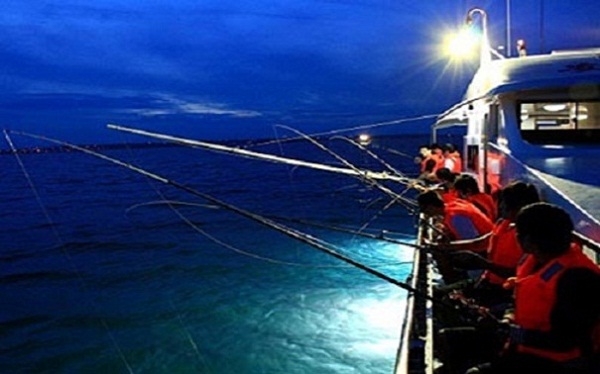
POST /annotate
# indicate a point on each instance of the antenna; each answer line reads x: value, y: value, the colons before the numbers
x: 542, y: 47
x: 508, y: 42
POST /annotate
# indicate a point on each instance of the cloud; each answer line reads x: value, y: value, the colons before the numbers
x: 172, y: 106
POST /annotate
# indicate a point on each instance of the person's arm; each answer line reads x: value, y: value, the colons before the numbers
x: 478, y: 244
x: 469, y: 260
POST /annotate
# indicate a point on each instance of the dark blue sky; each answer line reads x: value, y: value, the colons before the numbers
x: 223, y: 69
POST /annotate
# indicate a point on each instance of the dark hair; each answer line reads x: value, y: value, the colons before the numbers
x: 466, y: 183
x: 518, y: 194
x: 449, y: 147
x: 429, y: 198
x: 547, y: 225
x: 444, y: 174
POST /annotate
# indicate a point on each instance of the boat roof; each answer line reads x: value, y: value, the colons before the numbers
x: 554, y: 70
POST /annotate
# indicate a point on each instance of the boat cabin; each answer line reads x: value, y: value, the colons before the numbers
x: 537, y: 119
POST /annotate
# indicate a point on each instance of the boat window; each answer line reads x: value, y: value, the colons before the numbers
x: 560, y: 122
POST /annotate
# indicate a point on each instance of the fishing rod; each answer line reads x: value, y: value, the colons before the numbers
x: 381, y: 236
x: 258, y: 155
x: 319, y: 244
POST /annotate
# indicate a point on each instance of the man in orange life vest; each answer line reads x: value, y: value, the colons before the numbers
x: 467, y: 188
x: 452, y: 159
x: 429, y: 160
x: 460, y: 219
x: 557, y: 309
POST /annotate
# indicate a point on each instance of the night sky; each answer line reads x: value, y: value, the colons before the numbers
x: 233, y: 69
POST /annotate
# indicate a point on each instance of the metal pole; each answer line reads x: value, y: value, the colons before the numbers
x: 508, y: 42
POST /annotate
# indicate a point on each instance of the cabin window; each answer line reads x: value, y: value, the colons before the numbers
x: 560, y: 122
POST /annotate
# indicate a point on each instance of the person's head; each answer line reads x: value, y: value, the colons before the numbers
x: 466, y: 185
x: 436, y: 149
x: 449, y: 148
x: 424, y: 151
x: 430, y: 203
x: 445, y: 175
x: 515, y: 196
x: 544, y: 230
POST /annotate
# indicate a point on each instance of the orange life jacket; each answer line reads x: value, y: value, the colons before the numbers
x: 504, y: 249
x: 449, y: 195
x: 456, y: 162
x: 439, y: 161
x: 482, y: 224
x: 535, y: 296
x: 485, y: 203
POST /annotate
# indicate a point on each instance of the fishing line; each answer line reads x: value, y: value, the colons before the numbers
x: 406, y: 203
x: 229, y: 246
x: 373, y: 155
x: 219, y: 242
x: 393, y: 151
x: 171, y: 204
x: 360, y: 127
x: 188, y: 335
x: 317, y: 243
x: 65, y: 252
x: 381, y: 236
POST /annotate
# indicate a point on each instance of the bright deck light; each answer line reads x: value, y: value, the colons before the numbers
x: 462, y: 44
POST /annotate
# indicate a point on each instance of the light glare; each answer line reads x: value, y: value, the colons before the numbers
x: 462, y: 44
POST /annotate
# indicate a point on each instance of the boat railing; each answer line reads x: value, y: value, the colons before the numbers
x: 415, y: 351
x: 589, y: 247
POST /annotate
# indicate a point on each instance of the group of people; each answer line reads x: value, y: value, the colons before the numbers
x: 518, y: 292
x: 435, y: 157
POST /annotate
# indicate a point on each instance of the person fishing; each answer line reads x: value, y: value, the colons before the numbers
x: 454, y: 220
x: 467, y: 189
x: 555, y: 324
x: 497, y: 253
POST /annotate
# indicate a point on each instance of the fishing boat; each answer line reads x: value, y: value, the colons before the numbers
x: 532, y: 118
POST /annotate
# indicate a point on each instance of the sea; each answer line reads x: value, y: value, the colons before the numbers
x: 104, y: 270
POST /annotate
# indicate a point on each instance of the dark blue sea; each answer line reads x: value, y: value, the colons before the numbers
x: 103, y: 270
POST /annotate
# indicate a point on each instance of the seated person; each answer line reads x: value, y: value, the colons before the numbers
x: 556, y: 319
x: 467, y: 188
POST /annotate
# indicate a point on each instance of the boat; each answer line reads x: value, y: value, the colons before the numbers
x: 534, y: 118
